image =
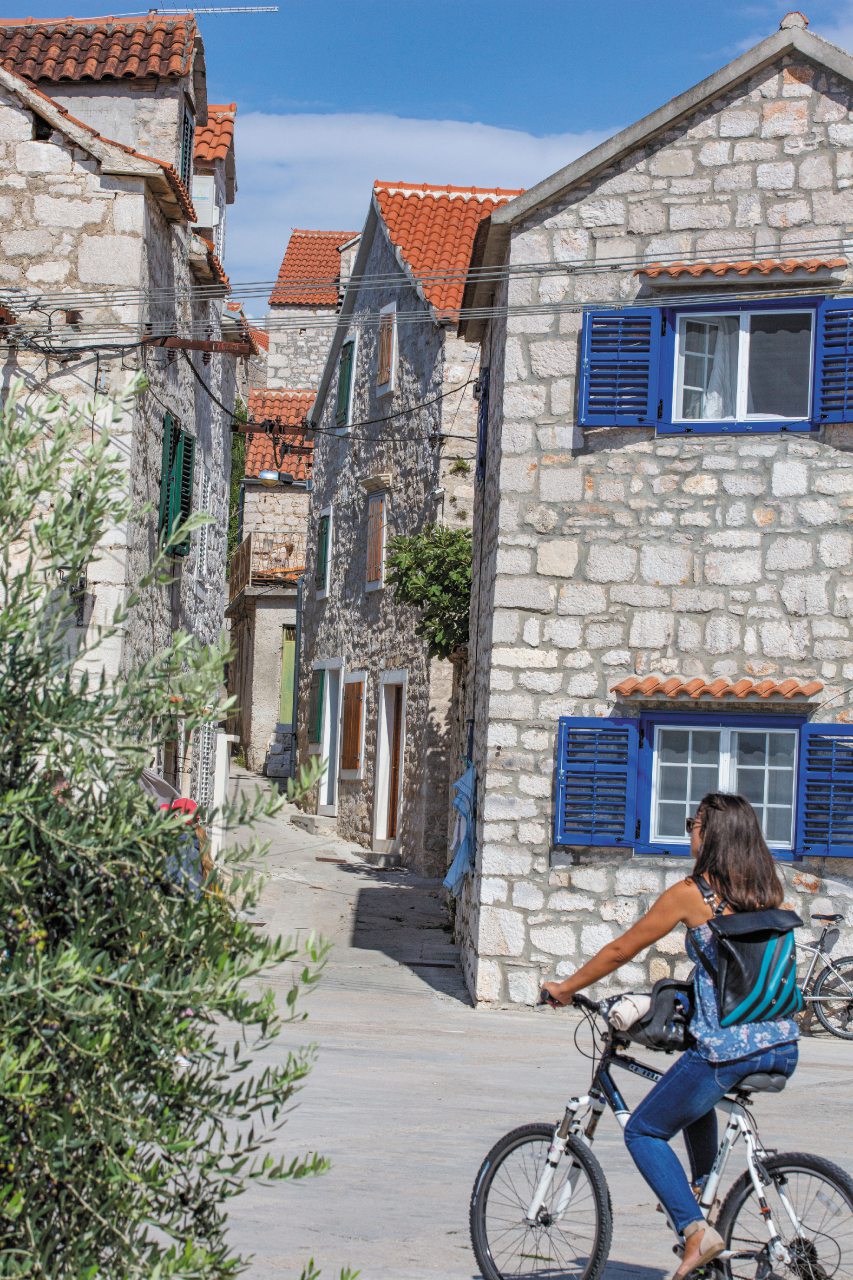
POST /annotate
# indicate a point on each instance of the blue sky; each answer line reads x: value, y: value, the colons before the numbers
x: 332, y: 94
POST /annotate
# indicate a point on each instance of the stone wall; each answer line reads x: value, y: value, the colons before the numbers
x: 277, y: 510
x: 300, y: 338
x: 367, y: 630
x: 146, y: 117
x: 617, y: 552
x: 65, y: 225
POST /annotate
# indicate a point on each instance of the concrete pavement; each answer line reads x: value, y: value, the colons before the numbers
x: 412, y: 1086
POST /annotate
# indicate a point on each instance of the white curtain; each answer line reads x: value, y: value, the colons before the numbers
x: 721, y: 396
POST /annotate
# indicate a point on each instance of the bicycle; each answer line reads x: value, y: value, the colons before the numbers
x: 830, y: 992
x: 540, y: 1207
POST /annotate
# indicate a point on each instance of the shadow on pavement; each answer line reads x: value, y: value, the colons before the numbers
x: 404, y: 917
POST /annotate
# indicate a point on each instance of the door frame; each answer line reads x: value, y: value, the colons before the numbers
x: 330, y: 745
x: 381, y: 790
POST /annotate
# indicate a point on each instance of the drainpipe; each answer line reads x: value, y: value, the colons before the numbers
x: 296, y: 663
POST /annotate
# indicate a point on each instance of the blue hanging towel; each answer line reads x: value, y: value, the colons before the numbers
x: 463, y: 834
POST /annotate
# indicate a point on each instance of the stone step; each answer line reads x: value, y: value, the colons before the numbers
x: 316, y: 824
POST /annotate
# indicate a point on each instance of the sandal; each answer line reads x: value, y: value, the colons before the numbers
x: 711, y: 1245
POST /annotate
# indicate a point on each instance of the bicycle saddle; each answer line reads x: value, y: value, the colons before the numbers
x: 817, y: 916
x: 762, y: 1082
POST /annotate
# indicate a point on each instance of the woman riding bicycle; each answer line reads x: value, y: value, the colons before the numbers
x: 737, y: 870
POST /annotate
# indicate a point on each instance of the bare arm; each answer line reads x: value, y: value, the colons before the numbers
x: 677, y: 905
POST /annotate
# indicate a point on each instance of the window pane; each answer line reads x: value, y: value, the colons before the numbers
x: 751, y: 748
x: 779, y: 365
x: 777, y: 826
x: 781, y: 748
x: 780, y: 786
x: 673, y: 782
x: 673, y: 745
x: 702, y: 780
x: 709, y: 362
x: 750, y: 785
x: 706, y: 747
x: 671, y: 819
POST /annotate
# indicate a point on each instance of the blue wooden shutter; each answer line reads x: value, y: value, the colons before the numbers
x: 825, y: 791
x: 482, y: 424
x: 596, y: 781
x: 620, y: 368
x: 833, y: 382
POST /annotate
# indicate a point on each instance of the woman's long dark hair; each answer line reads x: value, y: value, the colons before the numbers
x: 734, y: 856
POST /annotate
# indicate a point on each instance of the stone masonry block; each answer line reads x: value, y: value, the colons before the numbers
x: 781, y: 119
x: 109, y: 259
x: 28, y: 243
x: 552, y: 359
x: 493, y: 889
x: 784, y: 639
x: 631, y: 881
x: 640, y: 596
x: 672, y: 164
x: 487, y: 986
x: 815, y: 172
x: 523, y: 985
x: 836, y: 550
x: 42, y: 157
x: 505, y: 860
x: 525, y: 658
x: 738, y: 124
x: 524, y: 593
x: 592, y: 879
x: 64, y: 212
x: 502, y: 932
x: 789, y: 553
x: 611, y: 562
x: 650, y: 630
x: 690, y: 217
x: 564, y: 633
x: 608, y: 212
x: 697, y: 600
x: 581, y: 598
x: 790, y: 478
x: 665, y: 565
x: 511, y: 706
x: 554, y: 940
x: 560, y: 484
x: 594, y: 937
x: 832, y: 208
x: 557, y: 558
x: 565, y: 900
x: 805, y: 597
x: 733, y: 568
x: 777, y: 176
x: 15, y: 124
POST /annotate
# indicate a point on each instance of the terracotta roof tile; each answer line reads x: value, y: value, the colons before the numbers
x: 98, y: 48
x: 434, y: 229
x: 214, y: 140
x: 763, y: 266
x: 293, y: 449
x: 214, y: 263
x: 309, y: 274
x: 693, y: 688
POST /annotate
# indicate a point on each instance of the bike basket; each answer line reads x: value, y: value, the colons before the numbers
x: 666, y: 1026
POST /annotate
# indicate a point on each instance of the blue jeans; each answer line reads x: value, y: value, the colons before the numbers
x: 685, y: 1099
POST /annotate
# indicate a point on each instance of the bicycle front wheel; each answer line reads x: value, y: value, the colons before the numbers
x: 571, y: 1239
x: 833, y: 993
x: 811, y: 1201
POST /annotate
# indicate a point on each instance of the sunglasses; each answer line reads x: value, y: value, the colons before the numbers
x: 690, y: 823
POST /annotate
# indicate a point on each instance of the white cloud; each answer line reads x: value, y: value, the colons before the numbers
x: 840, y: 31
x: 318, y: 171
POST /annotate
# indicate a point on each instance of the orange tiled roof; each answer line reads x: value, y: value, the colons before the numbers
x: 214, y: 140
x: 259, y: 338
x: 434, y: 229
x: 763, y: 267
x: 293, y: 449
x: 310, y: 270
x: 98, y: 48
x: 214, y: 263
x: 695, y: 687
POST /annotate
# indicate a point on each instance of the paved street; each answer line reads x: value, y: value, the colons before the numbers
x: 412, y: 1086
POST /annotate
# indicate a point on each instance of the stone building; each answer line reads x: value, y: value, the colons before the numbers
x: 264, y: 577
x: 662, y: 539
x: 306, y: 297
x: 371, y: 700
x: 99, y: 259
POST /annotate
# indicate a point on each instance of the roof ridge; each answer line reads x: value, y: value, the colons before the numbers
x: 430, y: 188
x: 104, y: 19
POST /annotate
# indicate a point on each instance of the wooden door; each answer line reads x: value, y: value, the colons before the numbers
x: 395, y: 762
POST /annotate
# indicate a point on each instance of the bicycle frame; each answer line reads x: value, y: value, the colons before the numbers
x: 581, y: 1120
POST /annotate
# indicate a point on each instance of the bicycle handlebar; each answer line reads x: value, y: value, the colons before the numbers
x: 582, y: 1002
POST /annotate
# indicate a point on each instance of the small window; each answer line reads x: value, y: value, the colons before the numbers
x: 375, y: 541
x: 352, y: 748
x: 346, y: 367
x: 185, y: 168
x: 315, y: 707
x: 752, y: 366
x: 386, y: 365
x: 324, y: 538
x: 690, y: 761
x: 176, y: 482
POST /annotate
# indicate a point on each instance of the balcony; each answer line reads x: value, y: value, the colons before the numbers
x: 266, y: 559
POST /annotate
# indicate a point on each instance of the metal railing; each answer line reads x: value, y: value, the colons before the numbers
x: 266, y: 558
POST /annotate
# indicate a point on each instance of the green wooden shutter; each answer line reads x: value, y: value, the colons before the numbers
x: 345, y: 369
x: 321, y: 571
x: 315, y: 706
x: 168, y: 458
x: 181, y: 488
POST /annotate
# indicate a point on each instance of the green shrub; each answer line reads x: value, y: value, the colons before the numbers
x: 432, y: 572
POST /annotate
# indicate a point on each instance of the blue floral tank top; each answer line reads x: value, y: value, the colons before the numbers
x: 726, y: 1044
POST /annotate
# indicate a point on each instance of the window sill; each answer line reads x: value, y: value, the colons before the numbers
x: 733, y: 428
x: 683, y: 851
x: 321, y: 595
x: 373, y: 586
x: 351, y: 775
x: 385, y: 388
x: 314, y: 748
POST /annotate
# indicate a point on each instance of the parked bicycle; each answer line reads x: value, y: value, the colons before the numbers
x: 830, y: 991
x: 541, y: 1210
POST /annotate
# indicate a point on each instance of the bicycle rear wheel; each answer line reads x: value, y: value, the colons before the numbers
x: 571, y: 1245
x: 819, y: 1236
x: 834, y: 997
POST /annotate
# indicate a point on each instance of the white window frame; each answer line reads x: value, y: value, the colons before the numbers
x: 382, y: 844
x: 385, y: 388
x: 320, y: 593
x: 726, y: 772
x: 743, y: 318
x: 205, y: 530
x: 372, y: 497
x: 354, y: 775
x: 351, y: 338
